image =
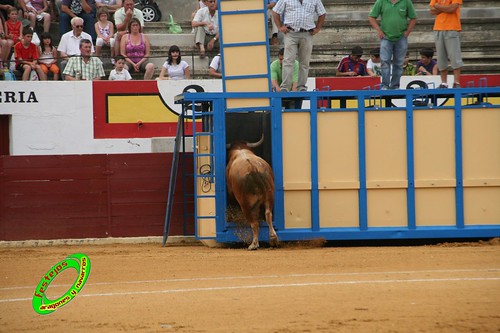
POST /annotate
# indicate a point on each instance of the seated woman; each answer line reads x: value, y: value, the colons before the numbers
x: 135, y: 48
x: 174, y: 68
x: 37, y: 10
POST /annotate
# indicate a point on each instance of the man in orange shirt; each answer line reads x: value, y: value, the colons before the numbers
x: 447, y: 29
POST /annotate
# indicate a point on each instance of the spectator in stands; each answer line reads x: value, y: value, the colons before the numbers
x: 373, y: 66
x: 426, y: 65
x: 78, y: 8
x: 277, y: 72
x: 122, y: 18
x: 4, y: 47
x: 12, y: 33
x: 215, y: 68
x: 48, y: 56
x: 135, y: 47
x: 69, y: 44
x: 105, y: 31
x: 37, y: 11
x: 174, y: 68
x: 274, y: 28
x: 207, y: 23
x: 120, y: 73
x: 299, y: 28
x: 84, y: 67
x: 26, y: 54
x: 13, y: 26
x: 111, y: 5
x: 397, y: 19
x: 352, y: 65
x: 408, y: 67
x: 447, y: 27
x: 199, y: 4
x: 6, y: 4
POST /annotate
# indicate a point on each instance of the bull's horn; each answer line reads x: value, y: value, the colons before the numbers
x: 256, y: 144
x: 228, y: 145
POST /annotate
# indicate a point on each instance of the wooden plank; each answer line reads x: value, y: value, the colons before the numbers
x: 81, y: 196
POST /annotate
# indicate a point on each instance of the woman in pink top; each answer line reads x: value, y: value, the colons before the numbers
x: 135, y: 47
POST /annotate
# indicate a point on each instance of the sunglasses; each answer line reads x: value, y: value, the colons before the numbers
x: 212, y: 1
x: 78, y: 26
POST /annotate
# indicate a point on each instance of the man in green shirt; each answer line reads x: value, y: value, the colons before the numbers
x: 397, y: 19
x: 277, y: 71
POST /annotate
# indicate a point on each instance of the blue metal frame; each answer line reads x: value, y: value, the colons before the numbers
x: 225, y: 230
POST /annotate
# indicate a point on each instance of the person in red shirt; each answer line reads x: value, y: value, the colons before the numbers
x: 12, y: 32
x: 26, y: 54
x: 352, y: 65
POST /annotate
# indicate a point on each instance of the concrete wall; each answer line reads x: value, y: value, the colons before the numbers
x: 181, y: 10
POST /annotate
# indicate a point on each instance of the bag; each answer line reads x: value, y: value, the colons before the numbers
x: 8, y: 75
x: 173, y: 27
x: 33, y: 76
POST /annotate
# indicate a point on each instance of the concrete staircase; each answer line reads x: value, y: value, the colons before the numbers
x: 346, y: 26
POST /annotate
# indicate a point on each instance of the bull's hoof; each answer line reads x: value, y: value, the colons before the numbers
x: 274, y: 242
x: 253, y: 247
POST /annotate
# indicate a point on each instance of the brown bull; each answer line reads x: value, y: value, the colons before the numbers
x: 250, y: 180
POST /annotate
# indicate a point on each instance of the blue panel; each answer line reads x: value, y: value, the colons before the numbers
x: 226, y: 231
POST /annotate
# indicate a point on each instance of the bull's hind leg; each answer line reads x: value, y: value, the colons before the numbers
x: 255, y: 232
x: 273, y: 237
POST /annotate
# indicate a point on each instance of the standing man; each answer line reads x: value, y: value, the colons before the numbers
x: 85, y: 67
x: 447, y: 29
x: 122, y: 18
x: 298, y: 28
x: 397, y: 19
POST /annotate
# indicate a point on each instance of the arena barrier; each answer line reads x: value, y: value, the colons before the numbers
x: 405, y: 164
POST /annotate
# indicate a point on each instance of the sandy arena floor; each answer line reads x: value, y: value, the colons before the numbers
x: 303, y: 288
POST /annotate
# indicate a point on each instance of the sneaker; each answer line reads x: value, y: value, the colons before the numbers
x: 443, y: 86
x: 456, y: 85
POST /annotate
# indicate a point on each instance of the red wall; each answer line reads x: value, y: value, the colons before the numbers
x: 92, y: 196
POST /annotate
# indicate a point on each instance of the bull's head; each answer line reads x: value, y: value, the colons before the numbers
x: 250, y: 144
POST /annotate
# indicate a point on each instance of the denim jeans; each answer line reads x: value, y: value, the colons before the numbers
x: 392, y: 56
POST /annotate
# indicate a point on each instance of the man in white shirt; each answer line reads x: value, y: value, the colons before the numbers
x: 70, y: 41
x: 206, y: 22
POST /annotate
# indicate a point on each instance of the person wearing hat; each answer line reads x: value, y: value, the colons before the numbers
x: 352, y: 65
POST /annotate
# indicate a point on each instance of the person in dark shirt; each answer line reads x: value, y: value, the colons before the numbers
x: 352, y: 65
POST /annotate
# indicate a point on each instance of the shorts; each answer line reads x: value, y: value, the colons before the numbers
x: 448, y: 47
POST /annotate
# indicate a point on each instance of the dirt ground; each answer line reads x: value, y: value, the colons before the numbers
x: 305, y: 287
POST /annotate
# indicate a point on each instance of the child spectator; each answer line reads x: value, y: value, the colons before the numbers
x: 174, y: 68
x: 426, y: 65
x: 37, y: 11
x: 352, y: 65
x: 120, y: 73
x: 105, y: 31
x: 408, y: 67
x: 26, y: 55
x: 373, y: 67
x: 48, y: 56
x: 13, y: 30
